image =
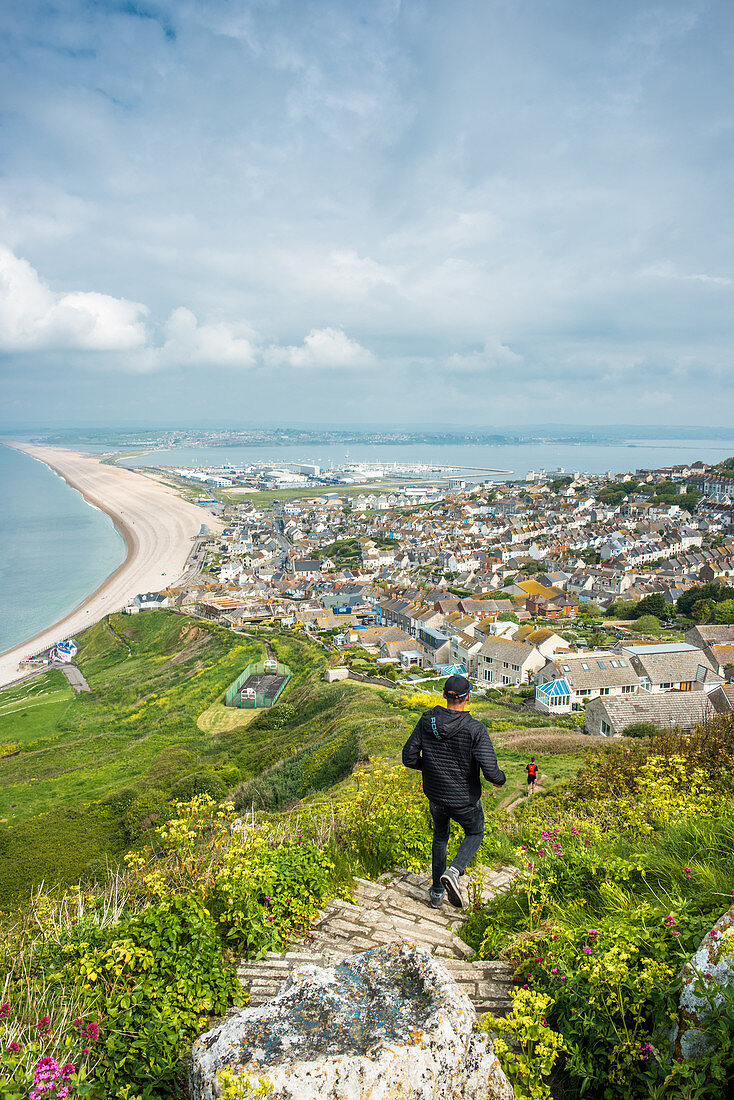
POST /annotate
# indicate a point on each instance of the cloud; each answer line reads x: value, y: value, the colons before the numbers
x: 665, y: 270
x: 35, y: 318
x: 188, y: 342
x: 493, y: 356
x: 322, y: 349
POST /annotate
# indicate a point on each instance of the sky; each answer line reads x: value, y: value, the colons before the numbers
x: 469, y: 212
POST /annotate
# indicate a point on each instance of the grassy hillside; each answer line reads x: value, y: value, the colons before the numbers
x: 95, y: 772
x: 95, y: 769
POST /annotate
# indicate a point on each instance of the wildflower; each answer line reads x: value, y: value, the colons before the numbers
x: 15, y: 1047
x: 91, y: 1031
x: 563, y: 977
x: 592, y: 932
x: 670, y: 922
x: 530, y: 866
x: 543, y: 1021
x: 554, y: 970
x: 85, y: 1050
x: 44, y: 1023
x: 77, y: 1022
x: 4, y: 1010
x: 270, y: 919
x: 586, y: 950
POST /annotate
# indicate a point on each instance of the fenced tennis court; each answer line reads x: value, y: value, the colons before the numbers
x: 260, y: 685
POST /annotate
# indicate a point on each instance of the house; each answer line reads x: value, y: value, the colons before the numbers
x: 682, y: 710
x: 586, y: 676
x: 717, y: 643
x: 147, y: 601
x: 505, y: 661
x: 436, y: 646
x: 672, y: 666
x: 545, y: 641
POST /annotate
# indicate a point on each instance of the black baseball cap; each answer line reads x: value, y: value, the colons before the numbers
x: 457, y: 687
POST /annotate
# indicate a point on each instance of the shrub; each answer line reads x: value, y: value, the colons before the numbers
x: 386, y: 822
x: 640, y: 729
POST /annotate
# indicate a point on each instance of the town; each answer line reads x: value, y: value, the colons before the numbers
x: 607, y: 598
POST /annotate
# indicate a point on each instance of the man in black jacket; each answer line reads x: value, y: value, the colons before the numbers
x: 449, y: 747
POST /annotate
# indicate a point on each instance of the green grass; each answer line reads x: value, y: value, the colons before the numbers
x: 148, y: 691
x: 267, y: 496
x: 151, y: 677
x: 31, y: 711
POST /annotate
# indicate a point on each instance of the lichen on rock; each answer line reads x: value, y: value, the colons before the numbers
x: 704, y: 978
x: 388, y: 1024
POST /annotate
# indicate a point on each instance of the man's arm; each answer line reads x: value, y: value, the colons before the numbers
x: 484, y: 754
x: 412, y: 750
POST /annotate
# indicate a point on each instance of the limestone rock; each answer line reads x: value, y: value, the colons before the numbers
x: 390, y: 1024
x: 705, y: 976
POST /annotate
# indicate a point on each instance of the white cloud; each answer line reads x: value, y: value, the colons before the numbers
x: 33, y: 317
x: 219, y: 344
x: 665, y: 270
x: 493, y: 356
x: 323, y: 348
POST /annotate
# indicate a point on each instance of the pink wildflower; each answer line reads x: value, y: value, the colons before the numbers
x: 4, y: 1010
x: 15, y: 1047
x: 586, y: 950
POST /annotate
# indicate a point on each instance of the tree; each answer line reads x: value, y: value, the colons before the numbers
x: 508, y: 617
x: 714, y: 590
x: 702, y: 611
x: 622, y: 609
x: 647, y: 624
x: 654, y: 604
x: 724, y: 612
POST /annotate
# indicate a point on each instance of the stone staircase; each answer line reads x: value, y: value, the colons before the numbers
x: 393, y: 908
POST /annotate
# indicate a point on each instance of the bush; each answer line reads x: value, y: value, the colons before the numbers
x: 149, y: 810
x: 386, y: 822
x: 640, y: 729
x: 112, y: 985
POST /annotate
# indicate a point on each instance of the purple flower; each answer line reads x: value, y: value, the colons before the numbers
x: 15, y: 1047
x: 586, y: 950
x: 4, y: 1010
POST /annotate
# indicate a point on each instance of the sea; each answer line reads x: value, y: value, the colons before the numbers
x: 518, y: 458
x: 55, y: 549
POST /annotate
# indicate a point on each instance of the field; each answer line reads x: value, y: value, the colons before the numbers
x: 267, y: 496
x: 134, y: 741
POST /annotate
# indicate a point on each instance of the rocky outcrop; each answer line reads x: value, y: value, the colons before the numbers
x: 389, y: 1024
x: 703, y: 981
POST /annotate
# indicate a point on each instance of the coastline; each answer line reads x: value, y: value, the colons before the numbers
x: 157, y: 527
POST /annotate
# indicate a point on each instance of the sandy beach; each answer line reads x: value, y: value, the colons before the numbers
x: 156, y: 524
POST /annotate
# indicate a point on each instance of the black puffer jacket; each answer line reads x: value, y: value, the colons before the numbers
x: 449, y: 747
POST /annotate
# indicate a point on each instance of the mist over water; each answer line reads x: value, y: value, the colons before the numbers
x: 55, y: 549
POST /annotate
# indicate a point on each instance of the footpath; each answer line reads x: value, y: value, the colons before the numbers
x: 393, y: 908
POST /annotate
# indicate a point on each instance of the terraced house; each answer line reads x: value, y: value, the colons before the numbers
x: 565, y: 682
x: 505, y: 661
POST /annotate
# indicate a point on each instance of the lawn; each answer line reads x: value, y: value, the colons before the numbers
x: 32, y: 710
x: 267, y: 496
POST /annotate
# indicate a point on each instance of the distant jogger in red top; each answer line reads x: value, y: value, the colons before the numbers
x: 532, y: 770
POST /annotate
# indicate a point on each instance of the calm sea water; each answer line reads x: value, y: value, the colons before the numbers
x: 592, y: 458
x: 54, y: 547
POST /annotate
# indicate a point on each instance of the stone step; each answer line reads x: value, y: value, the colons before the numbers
x: 393, y: 909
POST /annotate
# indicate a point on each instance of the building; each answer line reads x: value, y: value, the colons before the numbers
x: 587, y: 675
x: 672, y: 666
x: 505, y: 661
x: 682, y: 710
